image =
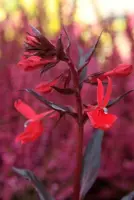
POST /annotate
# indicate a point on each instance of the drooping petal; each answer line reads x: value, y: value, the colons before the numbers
x: 123, y: 70
x: 108, y: 93
x: 49, y: 113
x: 101, y: 120
x: 24, y: 109
x: 31, y: 132
x: 100, y: 92
x: 46, y: 87
x: 31, y: 40
x: 34, y: 62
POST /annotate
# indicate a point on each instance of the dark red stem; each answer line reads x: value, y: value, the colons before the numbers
x: 79, y: 139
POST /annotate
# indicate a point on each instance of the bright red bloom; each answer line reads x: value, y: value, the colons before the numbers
x: 98, y: 115
x: 33, y: 62
x: 46, y: 87
x: 34, y: 125
x: 40, y: 52
x: 120, y: 71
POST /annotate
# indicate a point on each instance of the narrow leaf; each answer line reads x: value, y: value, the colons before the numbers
x: 69, y: 42
x: 52, y: 105
x: 114, y: 101
x: 60, y: 49
x: 27, y: 174
x: 82, y: 76
x: 67, y: 79
x: 81, y: 61
x: 89, y: 55
x: 91, y: 162
x: 130, y: 196
x: 92, y: 78
x: 47, y: 67
x: 66, y: 91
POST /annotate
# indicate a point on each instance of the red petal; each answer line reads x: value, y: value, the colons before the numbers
x: 42, y: 115
x: 101, y: 120
x: 34, y: 62
x: 24, y: 109
x: 31, y: 133
x: 43, y: 87
x: 32, y: 40
x: 46, y: 87
x: 123, y: 70
x: 100, y: 92
x: 108, y: 93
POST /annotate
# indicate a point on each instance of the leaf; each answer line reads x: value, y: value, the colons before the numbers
x: 44, y: 41
x: 52, y: 105
x: 129, y: 196
x: 89, y: 55
x: 91, y: 162
x: 114, y: 101
x: 60, y: 50
x: 81, y: 57
x: 82, y: 76
x: 69, y: 42
x: 92, y: 78
x: 81, y: 61
x: 66, y: 91
x: 27, y: 174
x: 48, y: 66
x: 67, y: 79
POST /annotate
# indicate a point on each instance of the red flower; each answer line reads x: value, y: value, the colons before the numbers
x: 121, y: 70
x: 34, y: 126
x: 46, y: 87
x: 98, y: 115
x: 33, y: 62
x: 40, y: 52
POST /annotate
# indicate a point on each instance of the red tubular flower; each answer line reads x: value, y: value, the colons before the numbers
x: 33, y: 62
x: 120, y: 71
x: 34, y: 126
x: 98, y: 115
x: 40, y: 52
x: 46, y: 87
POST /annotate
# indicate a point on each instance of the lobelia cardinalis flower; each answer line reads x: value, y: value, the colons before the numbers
x: 40, y: 52
x: 34, y: 126
x: 46, y: 87
x: 120, y: 71
x: 98, y: 115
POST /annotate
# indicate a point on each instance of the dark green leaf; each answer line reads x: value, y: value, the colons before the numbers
x: 44, y: 41
x: 60, y: 50
x: 27, y: 174
x: 52, y: 105
x: 82, y: 76
x: 130, y: 196
x: 66, y: 91
x: 48, y: 66
x: 89, y: 55
x: 91, y: 162
x: 114, y: 101
x: 67, y: 79
x: 81, y: 61
x: 90, y: 79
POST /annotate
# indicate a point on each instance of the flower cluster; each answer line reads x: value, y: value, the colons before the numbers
x: 41, y: 53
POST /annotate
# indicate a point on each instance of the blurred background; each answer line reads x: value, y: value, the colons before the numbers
x: 49, y: 156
